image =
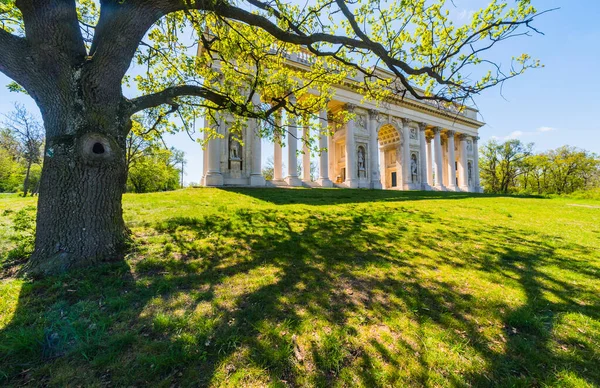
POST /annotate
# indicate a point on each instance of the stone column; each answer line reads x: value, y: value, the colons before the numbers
x: 406, y: 175
x: 463, y: 169
x: 256, y: 177
x: 451, y: 163
x: 351, y: 168
x: 205, y: 153
x: 374, y: 150
x: 305, y: 152
x: 476, y: 178
x: 437, y: 149
x: 384, y: 176
x: 213, y: 174
x: 324, y: 180
x: 429, y: 163
x: 292, y: 146
x: 423, y: 155
x: 277, y: 152
x: 331, y: 150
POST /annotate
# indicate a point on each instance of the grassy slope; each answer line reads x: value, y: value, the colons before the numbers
x: 320, y: 287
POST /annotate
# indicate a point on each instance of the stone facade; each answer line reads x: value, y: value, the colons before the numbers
x: 403, y: 144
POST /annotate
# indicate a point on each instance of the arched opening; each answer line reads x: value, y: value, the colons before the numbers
x: 389, y: 144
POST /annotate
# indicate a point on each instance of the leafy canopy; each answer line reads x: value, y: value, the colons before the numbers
x: 233, y: 53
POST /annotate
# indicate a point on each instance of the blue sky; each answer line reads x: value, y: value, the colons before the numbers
x: 553, y: 106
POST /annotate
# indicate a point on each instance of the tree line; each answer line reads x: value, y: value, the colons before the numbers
x: 151, y: 165
x: 512, y: 167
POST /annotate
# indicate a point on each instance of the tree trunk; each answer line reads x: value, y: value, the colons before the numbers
x: 26, y: 181
x: 80, y: 218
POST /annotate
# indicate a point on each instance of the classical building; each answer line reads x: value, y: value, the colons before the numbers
x: 404, y: 144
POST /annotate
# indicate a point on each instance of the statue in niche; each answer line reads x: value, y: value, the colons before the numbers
x: 234, y: 149
x: 362, y: 165
x: 470, y: 173
x: 469, y: 146
x: 413, y: 133
x: 414, y: 169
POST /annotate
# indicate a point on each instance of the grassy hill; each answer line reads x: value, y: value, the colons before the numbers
x: 317, y: 287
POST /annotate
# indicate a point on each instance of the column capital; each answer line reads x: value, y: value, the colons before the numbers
x: 450, y: 133
x: 373, y: 114
x: 437, y: 130
x: 463, y: 137
x: 475, y: 138
x: 428, y: 140
x: 422, y: 126
x: 405, y: 121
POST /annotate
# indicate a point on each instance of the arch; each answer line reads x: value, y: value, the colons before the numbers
x: 388, y: 135
x: 389, y: 139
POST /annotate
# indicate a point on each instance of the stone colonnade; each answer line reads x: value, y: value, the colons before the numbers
x: 372, y: 150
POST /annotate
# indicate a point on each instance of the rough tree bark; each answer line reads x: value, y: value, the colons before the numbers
x: 80, y: 221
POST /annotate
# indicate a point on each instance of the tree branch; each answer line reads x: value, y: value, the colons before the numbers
x: 168, y: 96
x: 14, y: 52
x: 52, y: 26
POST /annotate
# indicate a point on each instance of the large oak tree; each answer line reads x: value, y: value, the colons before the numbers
x: 72, y: 57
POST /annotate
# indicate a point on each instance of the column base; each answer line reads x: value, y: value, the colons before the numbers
x: 426, y: 187
x: 376, y: 185
x: 293, y: 181
x: 213, y: 179
x: 452, y: 188
x: 439, y: 188
x: 257, y: 180
x: 351, y: 183
x: 324, y: 182
x: 466, y: 189
x: 411, y: 186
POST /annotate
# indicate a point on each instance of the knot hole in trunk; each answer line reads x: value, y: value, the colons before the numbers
x: 97, y: 148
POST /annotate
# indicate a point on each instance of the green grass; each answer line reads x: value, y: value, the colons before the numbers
x: 270, y: 287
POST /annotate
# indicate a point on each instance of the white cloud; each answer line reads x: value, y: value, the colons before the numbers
x: 518, y: 134
x: 514, y: 135
x: 546, y: 129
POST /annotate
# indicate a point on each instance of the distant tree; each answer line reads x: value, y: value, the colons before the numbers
x: 502, y: 163
x: 513, y: 167
x: 9, y: 167
x: 313, y: 171
x: 29, y: 133
x: 9, y: 143
x: 534, y: 179
x: 178, y: 161
x: 571, y: 169
x: 156, y: 170
x: 267, y: 170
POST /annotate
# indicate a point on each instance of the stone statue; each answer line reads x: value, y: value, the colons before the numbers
x: 361, y: 159
x: 234, y: 149
x: 470, y: 173
x: 413, y: 134
x: 414, y: 172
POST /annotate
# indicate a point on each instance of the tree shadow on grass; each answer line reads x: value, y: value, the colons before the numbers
x: 316, y: 196
x: 320, y: 298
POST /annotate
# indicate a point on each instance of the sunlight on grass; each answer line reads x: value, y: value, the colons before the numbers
x: 9, y: 298
x: 320, y: 288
